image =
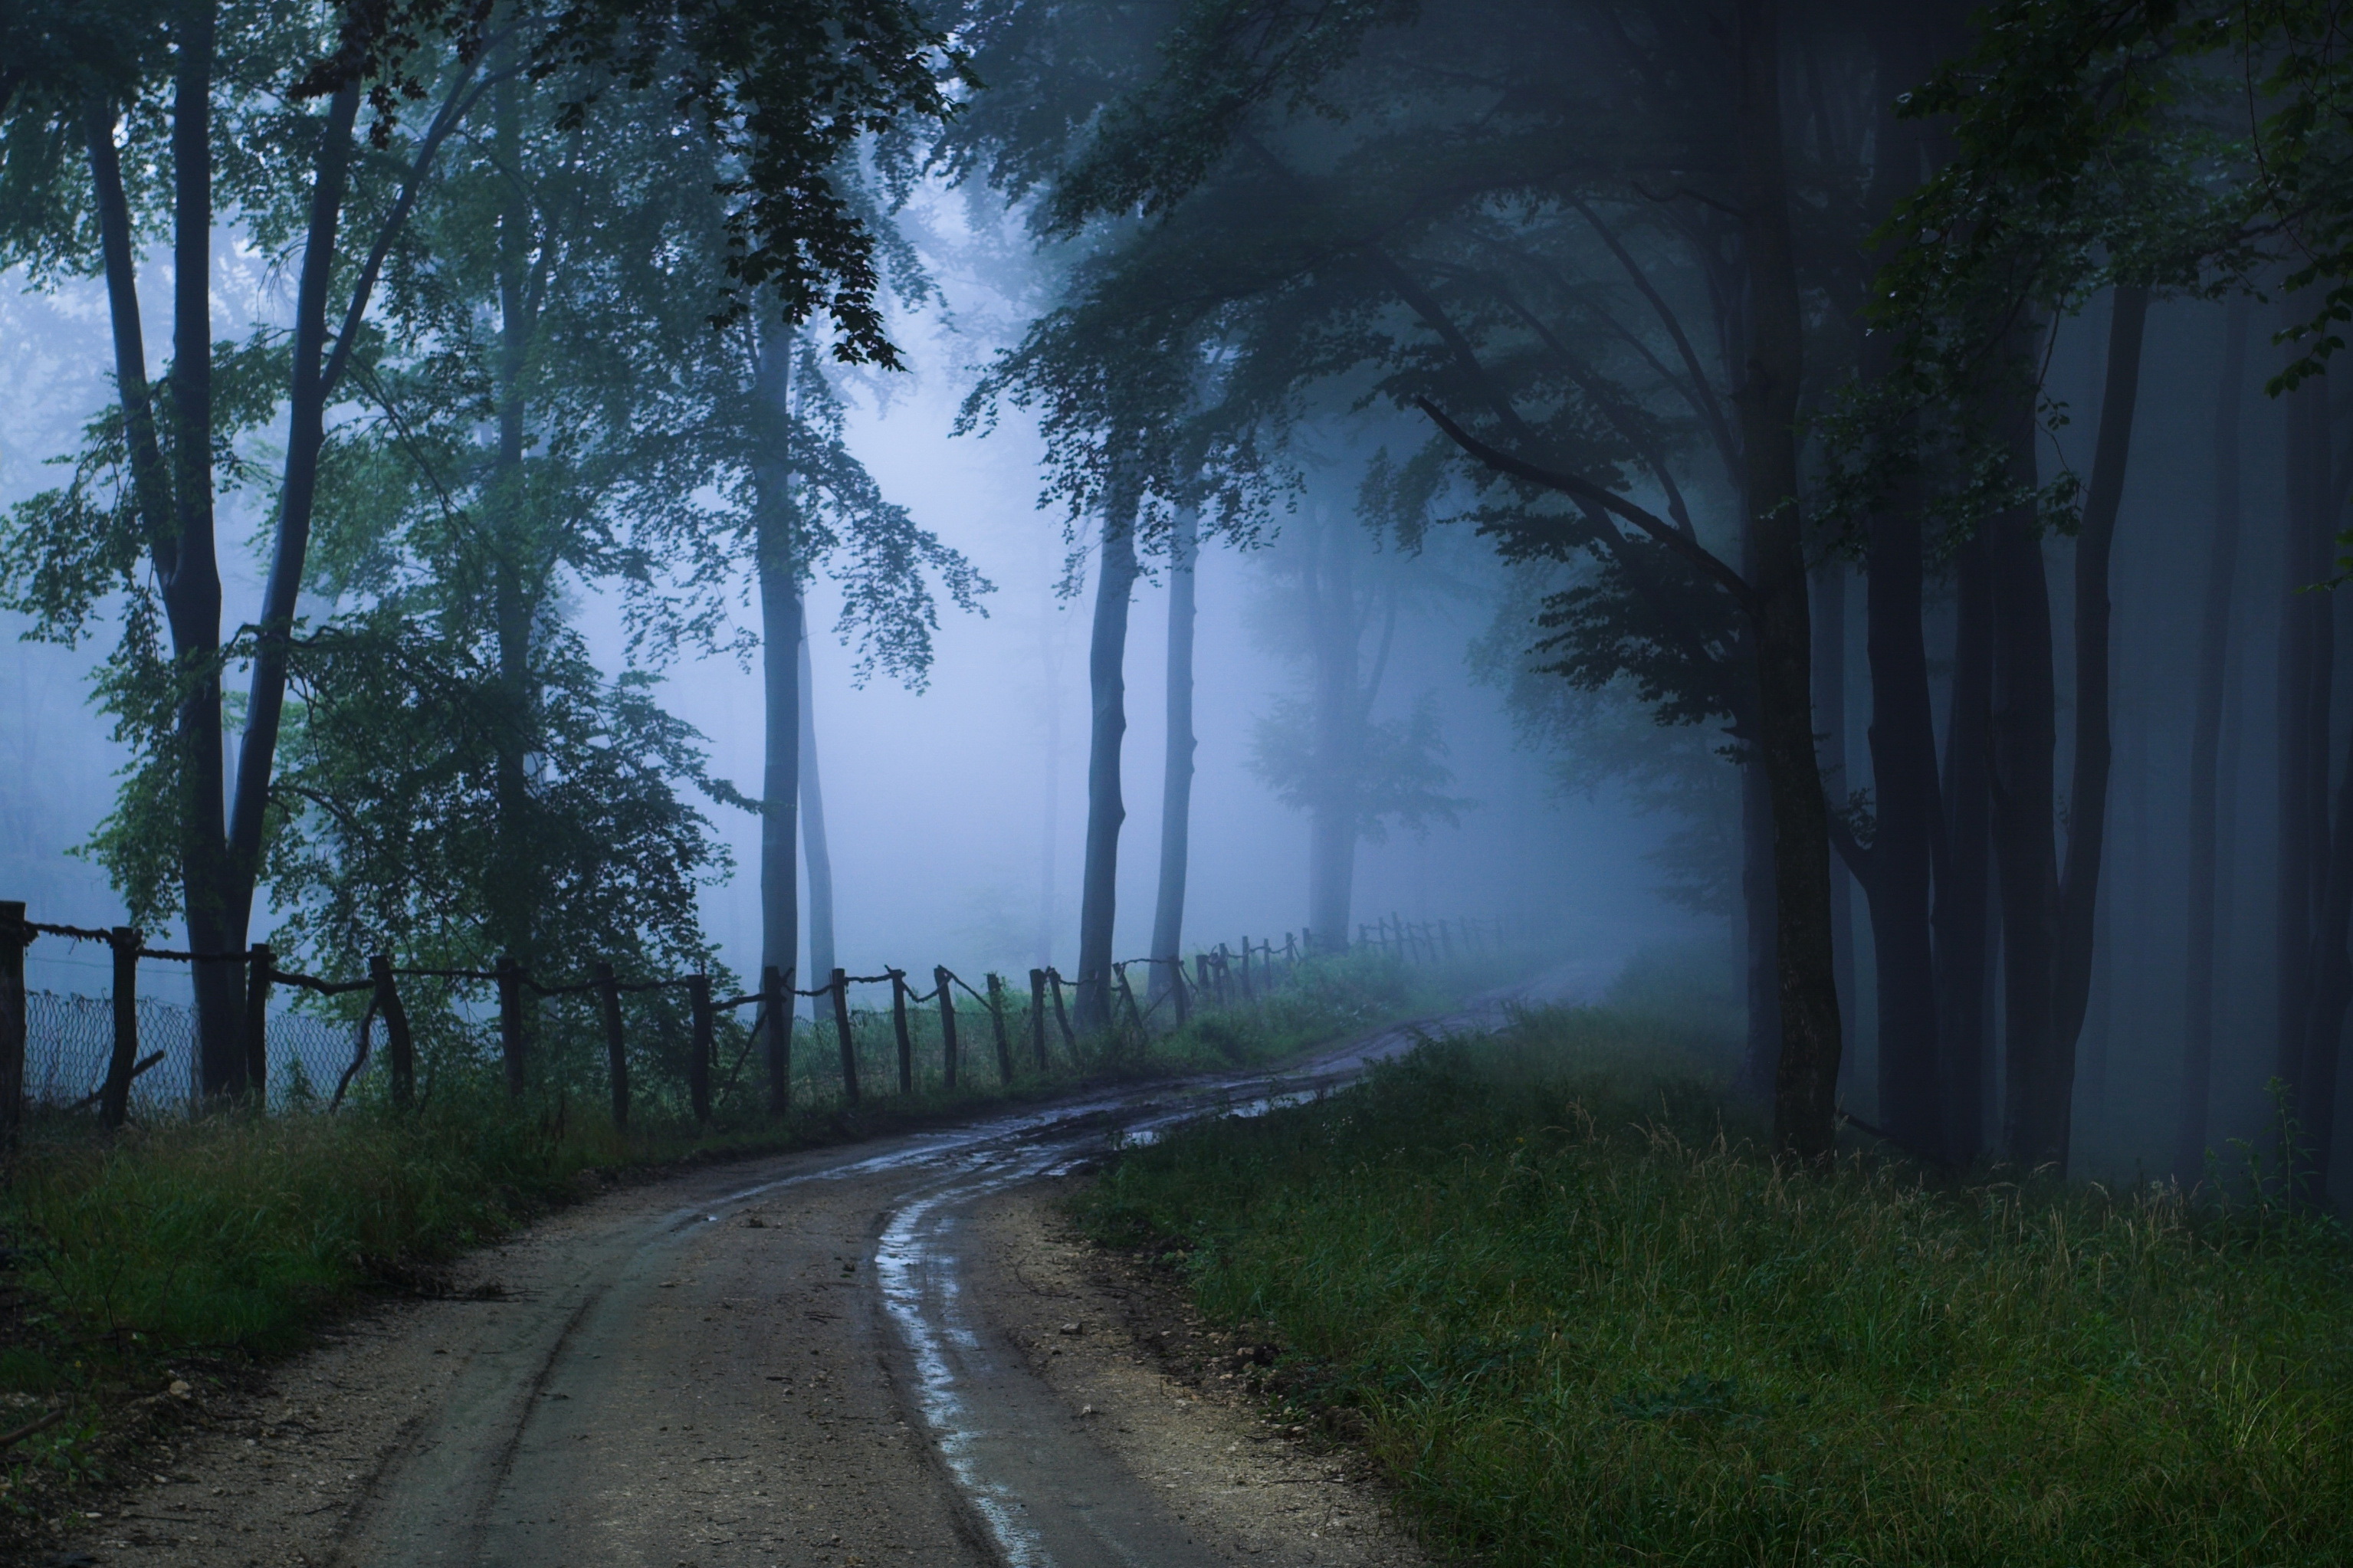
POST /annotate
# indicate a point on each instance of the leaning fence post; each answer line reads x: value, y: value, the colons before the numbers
x: 617, y: 1053
x: 776, y: 999
x: 399, y: 1048
x: 1201, y: 978
x: 510, y: 1023
x: 1063, y: 1016
x: 898, y: 1030
x: 115, y: 1100
x: 1037, y: 1015
x: 14, y: 938
x: 940, y: 983
x: 841, y: 986
x: 996, y: 1026
x: 258, y: 961
x: 698, y: 1064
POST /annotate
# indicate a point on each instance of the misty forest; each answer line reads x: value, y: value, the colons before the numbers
x: 1594, y: 753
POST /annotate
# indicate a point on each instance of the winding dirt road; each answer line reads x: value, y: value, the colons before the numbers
x: 879, y: 1355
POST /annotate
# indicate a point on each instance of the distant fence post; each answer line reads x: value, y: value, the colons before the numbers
x: 115, y: 1099
x: 1177, y: 985
x: 616, y: 1048
x: 841, y: 987
x: 399, y: 1045
x: 258, y: 961
x: 1249, y: 994
x: 898, y: 1030
x: 996, y: 1027
x: 1128, y: 995
x: 13, y: 940
x: 1038, y: 1015
x: 940, y: 983
x: 776, y: 998
x: 510, y: 1023
x: 1202, y: 977
x: 698, y: 1066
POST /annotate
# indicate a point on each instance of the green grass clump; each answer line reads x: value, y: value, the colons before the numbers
x: 1587, y: 1321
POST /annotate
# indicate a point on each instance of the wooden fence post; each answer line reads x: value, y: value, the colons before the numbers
x: 115, y: 1099
x: 510, y: 1023
x: 776, y: 998
x: 698, y: 1063
x: 1248, y: 994
x: 1128, y: 995
x: 1037, y: 1015
x: 997, y: 1026
x: 943, y: 986
x: 14, y: 938
x: 1201, y: 978
x: 617, y: 1051
x: 258, y: 961
x: 840, y: 986
x: 1062, y: 1016
x: 1178, y: 986
x: 899, y: 1028
x: 399, y: 1045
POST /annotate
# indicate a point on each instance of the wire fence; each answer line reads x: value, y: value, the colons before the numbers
x: 665, y: 1043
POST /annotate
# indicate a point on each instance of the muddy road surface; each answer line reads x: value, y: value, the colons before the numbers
x: 877, y: 1354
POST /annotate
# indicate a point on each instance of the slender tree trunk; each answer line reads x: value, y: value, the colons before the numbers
x: 514, y: 550
x: 305, y: 436
x: 813, y: 841
x: 1333, y: 631
x: 1963, y: 902
x: 1177, y: 774
x: 1761, y: 927
x: 1806, y: 1082
x: 2190, y: 1121
x: 1829, y: 585
x: 192, y: 589
x: 778, y: 547
x: 1049, y: 793
x: 2332, y: 991
x: 1107, y: 683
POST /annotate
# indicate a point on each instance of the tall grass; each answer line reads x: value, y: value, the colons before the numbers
x: 1586, y: 1321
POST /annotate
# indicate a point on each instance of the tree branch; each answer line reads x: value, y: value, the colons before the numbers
x: 1585, y: 491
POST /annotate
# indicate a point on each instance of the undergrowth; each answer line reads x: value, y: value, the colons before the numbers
x: 180, y: 1244
x: 1582, y: 1318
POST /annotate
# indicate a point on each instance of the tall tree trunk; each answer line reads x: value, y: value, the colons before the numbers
x: 2087, y: 794
x: 1177, y: 773
x: 813, y: 842
x: 2047, y: 922
x: 1049, y: 796
x: 2305, y: 677
x: 777, y: 548
x: 191, y: 588
x: 2190, y: 1119
x: 1107, y: 686
x: 1960, y: 919
x: 1905, y: 844
x: 2024, y: 731
x: 1806, y: 1082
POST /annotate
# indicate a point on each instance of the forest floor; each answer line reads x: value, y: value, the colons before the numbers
x: 896, y: 1352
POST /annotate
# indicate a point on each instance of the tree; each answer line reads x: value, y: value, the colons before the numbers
x: 784, y: 91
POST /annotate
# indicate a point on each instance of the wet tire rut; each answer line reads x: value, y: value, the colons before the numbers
x: 845, y: 1358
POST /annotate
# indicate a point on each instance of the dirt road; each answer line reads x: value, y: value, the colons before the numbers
x: 883, y: 1354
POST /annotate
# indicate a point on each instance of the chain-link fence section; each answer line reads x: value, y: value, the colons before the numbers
x: 69, y: 1039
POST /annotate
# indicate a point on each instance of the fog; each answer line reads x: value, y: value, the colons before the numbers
x: 942, y: 801
x: 1657, y: 484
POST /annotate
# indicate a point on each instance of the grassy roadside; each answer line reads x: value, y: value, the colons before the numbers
x: 1579, y: 1319
x: 186, y: 1249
